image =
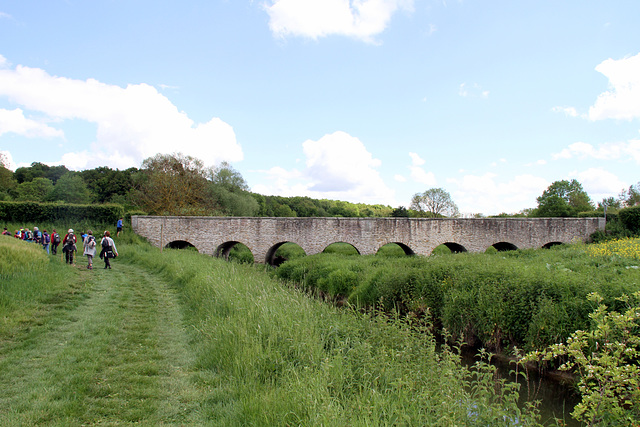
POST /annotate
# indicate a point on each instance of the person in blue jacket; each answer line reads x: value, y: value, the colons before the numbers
x: 118, y: 227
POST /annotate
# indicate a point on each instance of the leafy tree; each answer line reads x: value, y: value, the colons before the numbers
x: 37, y: 190
x: 229, y: 178
x: 631, y: 197
x: 174, y: 184
x: 400, y: 212
x: 434, y: 202
x: 238, y: 203
x: 71, y: 188
x: 39, y: 170
x: 283, y: 211
x: 7, y: 182
x: 610, y: 203
x: 108, y: 185
x: 563, y: 199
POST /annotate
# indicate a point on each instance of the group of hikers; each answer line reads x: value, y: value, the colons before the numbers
x: 50, y: 243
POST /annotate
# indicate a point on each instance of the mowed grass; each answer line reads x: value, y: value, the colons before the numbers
x: 179, y: 338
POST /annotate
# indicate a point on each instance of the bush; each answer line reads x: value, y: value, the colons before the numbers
x: 630, y: 218
x: 22, y: 212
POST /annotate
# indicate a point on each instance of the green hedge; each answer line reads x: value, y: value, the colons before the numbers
x: 41, y: 212
x: 630, y: 217
x: 530, y: 298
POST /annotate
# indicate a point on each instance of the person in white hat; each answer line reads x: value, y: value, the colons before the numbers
x: 69, y: 246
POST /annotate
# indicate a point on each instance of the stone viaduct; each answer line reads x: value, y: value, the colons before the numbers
x: 263, y: 236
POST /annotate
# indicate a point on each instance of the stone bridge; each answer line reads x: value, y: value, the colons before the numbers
x: 263, y: 236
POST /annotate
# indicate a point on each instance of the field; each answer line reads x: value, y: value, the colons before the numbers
x: 529, y: 298
x: 179, y: 338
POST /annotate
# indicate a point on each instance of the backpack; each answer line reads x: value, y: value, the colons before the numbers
x: 56, y: 238
x: 29, y: 235
x: 70, y: 240
x: 105, y: 243
x: 92, y: 242
x: 45, y: 239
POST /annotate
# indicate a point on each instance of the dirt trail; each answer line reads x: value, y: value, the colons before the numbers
x: 117, y: 352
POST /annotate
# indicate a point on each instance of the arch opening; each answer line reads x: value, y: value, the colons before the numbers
x: 551, y: 244
x: 448, y: 248
x: 234, y: 251
x: 180, y: 244
x: 282, y: 252
x: 395, y: 249
x: 504, y: 246
x: 341, y: 248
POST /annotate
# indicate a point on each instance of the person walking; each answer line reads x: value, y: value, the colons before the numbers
x: 108, y: 249
x: 46, y: 240
x: 69, y: 246
x: 89, y: 248
x: 119, y: 227
x: 55, y: 241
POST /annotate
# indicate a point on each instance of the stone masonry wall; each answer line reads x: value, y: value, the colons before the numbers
x: 367, y: 235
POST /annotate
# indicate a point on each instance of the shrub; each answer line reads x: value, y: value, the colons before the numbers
x: 23, y: 212
x: 630, y: 218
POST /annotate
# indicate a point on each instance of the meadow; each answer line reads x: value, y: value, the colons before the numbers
x: 527, y: 298
x: 176, y: 337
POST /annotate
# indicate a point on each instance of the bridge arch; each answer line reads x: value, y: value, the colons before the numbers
x: 224, y: 249
x: 406, y: 249
x: 455, y: 248
x: 180, y: 244
x: 551, y: 244
x: 273, y: 259
x: 341, y: 247
x: 505, y: 246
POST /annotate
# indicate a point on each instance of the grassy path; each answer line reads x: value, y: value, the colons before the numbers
x: 115, y: 352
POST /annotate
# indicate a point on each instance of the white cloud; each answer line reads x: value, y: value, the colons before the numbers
x: 338, y: 167
x: 485, y: 194
x: 3, y: 62
x: 472, y: 91
x: 599, y: 183
x: 610, y: 151
x: 361, y: 19
x: 14, y: 121
x: 133, y: 123
x: 8, y: 160
x: 418, y: 174
x: 568, y: 111
x: 399, y: 178
x: 622, y: 101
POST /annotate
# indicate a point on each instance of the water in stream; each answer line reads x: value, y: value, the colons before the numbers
x: 557, y: 396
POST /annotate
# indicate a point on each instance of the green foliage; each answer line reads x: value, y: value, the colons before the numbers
x: 109, y: 185
x: 272, y: 356
x: 605, y: 358
x: 25, y: 212
x: 70, y: 188
x: 563, y: 199
x: 630, y: 218
x: 36, y: 190
x: 278, y: 206
x: 433, y: 203
x: 7, y: 183
x: 522, y: 298
x: 39, y: 170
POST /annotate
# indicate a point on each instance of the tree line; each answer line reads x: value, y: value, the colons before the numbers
x: 177, y: 184
x: 167, y: 184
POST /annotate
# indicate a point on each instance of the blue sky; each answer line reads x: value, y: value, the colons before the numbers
x: 363, y: 100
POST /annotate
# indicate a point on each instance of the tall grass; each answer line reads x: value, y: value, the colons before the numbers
x: 529, y: 298
x: 276, y: 357
x: 28, y: 278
